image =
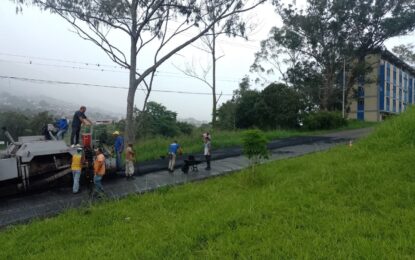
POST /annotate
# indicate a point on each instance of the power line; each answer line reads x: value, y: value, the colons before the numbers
x: 62, y: 60
x: 68, y: 83
x: 158, y: 73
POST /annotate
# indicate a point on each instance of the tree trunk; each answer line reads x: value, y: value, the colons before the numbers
x: 132, y: 86
x: 129, y: 124
x: 214, y: 78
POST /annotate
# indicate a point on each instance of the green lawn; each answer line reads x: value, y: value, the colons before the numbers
x: 347, y: 203
x: 153, y: 148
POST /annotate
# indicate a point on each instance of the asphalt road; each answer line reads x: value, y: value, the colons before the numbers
x: 152, y: 175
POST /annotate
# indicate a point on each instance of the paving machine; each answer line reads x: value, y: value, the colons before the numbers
x: 32, y: 161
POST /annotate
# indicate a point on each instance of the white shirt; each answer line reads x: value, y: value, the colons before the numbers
x: 207, y: 148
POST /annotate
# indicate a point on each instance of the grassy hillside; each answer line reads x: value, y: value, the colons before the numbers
x: 349, y: 202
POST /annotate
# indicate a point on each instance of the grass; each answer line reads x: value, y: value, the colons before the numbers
x: 346, y: 203
x: 153, y: 148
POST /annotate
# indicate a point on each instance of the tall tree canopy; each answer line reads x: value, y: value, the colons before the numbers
x: 328, y: 32
x: 406, y: 52
x: 152, y: 26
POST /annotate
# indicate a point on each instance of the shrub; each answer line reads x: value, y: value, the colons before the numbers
x: 255, y: 146
x: 185, y: 128
x: 324, y: 120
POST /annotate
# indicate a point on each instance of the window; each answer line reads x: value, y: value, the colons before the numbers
x: 360, y: 91
x: 394, y: 105
x: 394, y: 91
x: 361, y: 104
x: 388, y: 102
x: 388, y: 89
x: 394, y: 75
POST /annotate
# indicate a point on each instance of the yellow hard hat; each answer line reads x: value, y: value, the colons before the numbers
x: 116, y: 133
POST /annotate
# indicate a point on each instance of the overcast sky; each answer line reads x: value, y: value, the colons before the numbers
x: 42, y: 39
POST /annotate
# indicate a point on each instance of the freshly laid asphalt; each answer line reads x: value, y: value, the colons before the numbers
x: 152, y: 175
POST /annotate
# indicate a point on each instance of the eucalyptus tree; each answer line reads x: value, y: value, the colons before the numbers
x: 329, y: 33
x: 160, y: 28
x: 406, y: 52
x: 235, y: 26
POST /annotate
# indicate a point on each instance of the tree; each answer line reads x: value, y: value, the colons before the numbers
x: 327, y: 33
x: 405, y: 52
x: 233, y: 27
x: 369, y: 25
x: 277, y: 52
x: 281, y: 107
x: 157, y: 120
x: 227, y: 115
x: 247, y: 110
x: 306, y: 79
x: 185, y: 127
x: 39, y: 121
x: 145, y: 24
x: 227, y: 112
x: 16, y: 123
x: 255, y: 147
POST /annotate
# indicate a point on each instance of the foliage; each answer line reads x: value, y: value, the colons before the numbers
x: 255, y: 146
x: 306, y: 79
x: 185, y: 128
x: 324, y: 120
x: 167, y: 26
x: 405, y: 52
x: 340, y: 204
x: 16, y: 123
x: 156, y: 120
x: 103, y: 135
x: 247, y: 109
x: 227, y: 115
x: 277, y: 106
x: 39, y: 121
x: 281, y: 107
x: 23, y: 124
x: 319, y: 38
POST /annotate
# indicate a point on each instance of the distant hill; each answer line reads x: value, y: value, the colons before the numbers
x: 193, y: 121
x: 58, y: 108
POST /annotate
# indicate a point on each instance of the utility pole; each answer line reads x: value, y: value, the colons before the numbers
x: 344, y: 87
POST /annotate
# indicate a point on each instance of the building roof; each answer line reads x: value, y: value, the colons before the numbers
x: 389, y: 56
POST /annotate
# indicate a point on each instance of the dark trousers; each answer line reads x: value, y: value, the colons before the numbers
x: 75, y: 135
x: 207, y: 161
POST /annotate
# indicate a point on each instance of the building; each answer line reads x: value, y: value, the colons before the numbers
x: 387, y: 90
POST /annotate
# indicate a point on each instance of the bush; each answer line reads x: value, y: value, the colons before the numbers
x: 185, y: 128
x: 255, y: 146
x: 324, y: 120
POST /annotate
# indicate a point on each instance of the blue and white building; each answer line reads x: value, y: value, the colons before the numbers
x: 387, y: 90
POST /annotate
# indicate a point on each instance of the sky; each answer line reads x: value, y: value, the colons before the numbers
x: 41, y: 45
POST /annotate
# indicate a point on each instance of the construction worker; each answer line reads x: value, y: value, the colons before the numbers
x: 99, y: 171
x: 129, y: 162
x: 76, y: 167
x: 79, y: 118
x: 62, y: 125
x: 118, y: 148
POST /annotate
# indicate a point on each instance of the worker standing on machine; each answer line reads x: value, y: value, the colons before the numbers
x: 62, y: 125
x: 79, y: 118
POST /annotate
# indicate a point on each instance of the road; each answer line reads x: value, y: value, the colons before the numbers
x: 27, y: 207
